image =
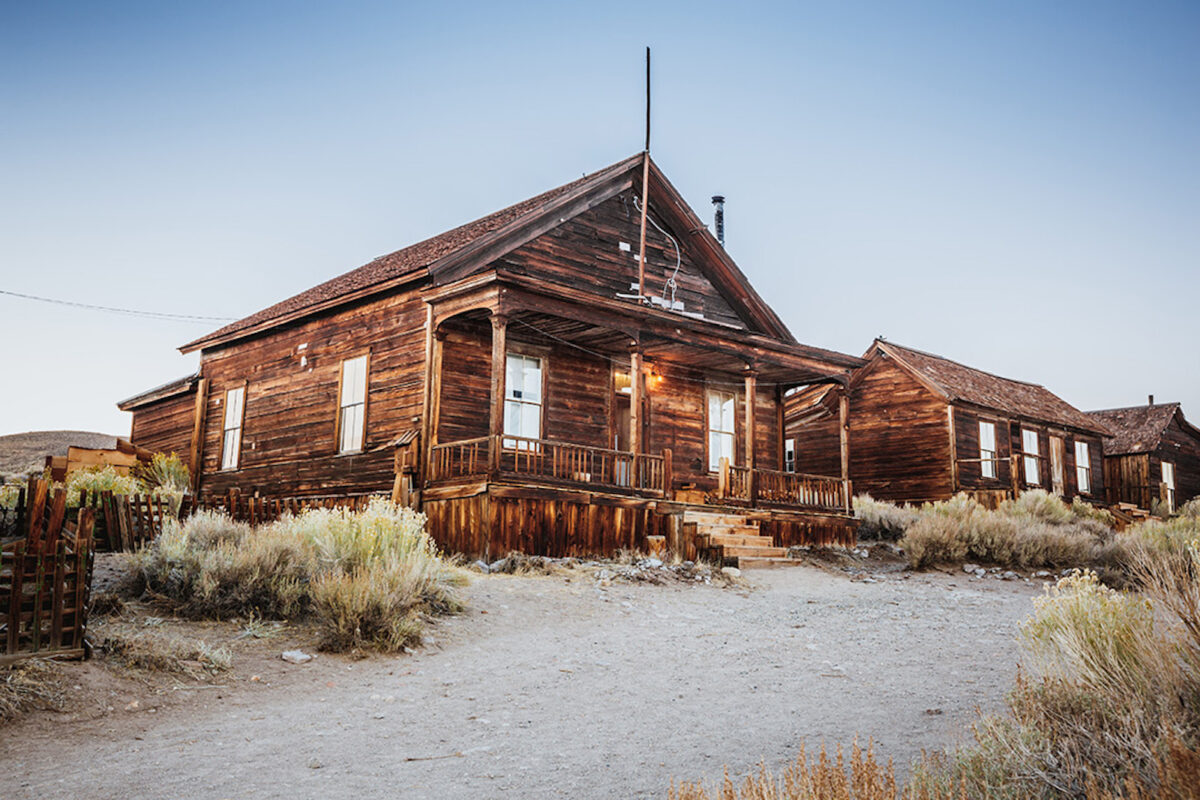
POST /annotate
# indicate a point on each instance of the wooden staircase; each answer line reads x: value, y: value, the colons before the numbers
x: 731, y: 539
x: 1127, y: 514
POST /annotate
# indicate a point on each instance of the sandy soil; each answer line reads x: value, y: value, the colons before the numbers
x: 551, y: 687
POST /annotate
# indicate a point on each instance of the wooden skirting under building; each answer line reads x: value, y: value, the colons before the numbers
x: 489, y: 520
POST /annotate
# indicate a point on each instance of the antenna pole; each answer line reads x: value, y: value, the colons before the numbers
x: 645, y: 191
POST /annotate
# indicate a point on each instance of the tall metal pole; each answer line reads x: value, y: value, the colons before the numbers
x: 645, y: 191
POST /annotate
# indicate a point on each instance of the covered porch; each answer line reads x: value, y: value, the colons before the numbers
x: 536, y: 398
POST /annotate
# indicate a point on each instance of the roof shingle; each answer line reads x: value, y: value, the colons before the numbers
x: 969, y: 385
x: 1137, y: 429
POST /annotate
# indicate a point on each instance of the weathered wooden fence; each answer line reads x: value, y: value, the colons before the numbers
x: 259, y: 510
x: 45, y: 578
x: 122, y: 523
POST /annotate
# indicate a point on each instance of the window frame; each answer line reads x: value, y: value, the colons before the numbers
x: 709, y: 430
x: 544, y: 368
x: 988, y: 468
x: 1031, y: 457
x: 789, y: 454
x: 341, y: 405
x: 231, y: 462
x: 1083, y: 467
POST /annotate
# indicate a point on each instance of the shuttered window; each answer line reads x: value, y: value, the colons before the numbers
x: 721, y: 421
x: 1083, y: 467
x: 1029, y: 445
x: 987, y: 449
x: 231, y: 440
x: 352, y: 405
x: 522, y: 400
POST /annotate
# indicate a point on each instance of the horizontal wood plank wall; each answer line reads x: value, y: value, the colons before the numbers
x: 578, y: 389
x: 818, y: 446
x: 466, y: 383
x: 288, y: 443
x: 899, y: 436
x: 585, y: 253
x: 766, y: 429
x: 541, y: 523
x: 677, y: 420
x: 165, y: 426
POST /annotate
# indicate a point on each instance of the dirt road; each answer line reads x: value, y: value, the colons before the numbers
x: 557, y: 688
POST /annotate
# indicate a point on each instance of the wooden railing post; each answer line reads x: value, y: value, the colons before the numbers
x: 496, y: 421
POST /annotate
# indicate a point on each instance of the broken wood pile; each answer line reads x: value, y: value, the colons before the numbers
x: 45, y: 578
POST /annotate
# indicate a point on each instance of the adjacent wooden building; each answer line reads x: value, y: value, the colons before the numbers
x: 1152, y: 457
x: 530, y: 379
x: 921, y: 428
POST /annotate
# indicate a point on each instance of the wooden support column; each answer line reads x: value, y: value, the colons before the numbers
x: 844, y: 442
x: 197, y: 449
x: 751, y: 377
x: 426, y: 442
x: 953, y: 450
x: 635, y: 398
x: 496, y: 420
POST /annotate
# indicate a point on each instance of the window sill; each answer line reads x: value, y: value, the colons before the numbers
x: 345, y: 453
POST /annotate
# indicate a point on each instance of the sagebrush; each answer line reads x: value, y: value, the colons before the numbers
x: 369, y: 578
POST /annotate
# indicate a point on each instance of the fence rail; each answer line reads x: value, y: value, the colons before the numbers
x: 45, y: 578
x: 259, y: 510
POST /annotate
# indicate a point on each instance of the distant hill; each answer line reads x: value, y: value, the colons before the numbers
x: 22, y: 453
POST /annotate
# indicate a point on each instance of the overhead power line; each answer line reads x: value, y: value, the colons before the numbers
x: 126, y: 311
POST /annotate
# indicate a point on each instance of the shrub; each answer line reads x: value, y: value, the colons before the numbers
x: 882, y: 520
x: 368, y: 577
x: 99, y: 479
x: 28, y: 685
x: 164, y: 472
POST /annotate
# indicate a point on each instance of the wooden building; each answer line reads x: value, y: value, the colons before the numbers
x: 1152, y: 455
x: 923, y: 428
x: 525, y: 379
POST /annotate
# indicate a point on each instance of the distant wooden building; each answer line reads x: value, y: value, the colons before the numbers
x: 1152, y: 455
x: 525, y: 379
x: 921, y: 427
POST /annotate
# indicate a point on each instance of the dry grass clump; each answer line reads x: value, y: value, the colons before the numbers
x: 369, y: 578
x: 878, y: 520
x: 1035, y: 530
x: 29, y: 685
x: 160, y: 651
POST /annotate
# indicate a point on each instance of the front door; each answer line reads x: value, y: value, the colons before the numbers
x: 1057, y: 450
x: 622, y: 394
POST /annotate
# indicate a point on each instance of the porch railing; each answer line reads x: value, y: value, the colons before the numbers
x: 549, y: 459
x: 772, y: 487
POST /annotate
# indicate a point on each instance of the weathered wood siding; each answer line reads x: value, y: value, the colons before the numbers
x: 585, y: 253
x: 1128, y: 479
x: 1179, y: 446
x: 166, y: 426
x: 899, y: 436
x: 492, y: 523
x: 291, y: 406
x: 818, y: 446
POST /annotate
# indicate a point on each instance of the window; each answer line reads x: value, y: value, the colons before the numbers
x: 987, y: 449
x: 522, y: 400
x: 1083, y: 467
x: 1168, y: 479
x: 352, y: 405
x: 720, y: 428
x: 1029, y: 444
x: 789, y: 455
x: 231, y: 441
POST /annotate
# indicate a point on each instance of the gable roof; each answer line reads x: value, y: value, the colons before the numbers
x: 171, y: 389
x: 1138, y: 429
x: 458, y: 252
x: 959, y: 383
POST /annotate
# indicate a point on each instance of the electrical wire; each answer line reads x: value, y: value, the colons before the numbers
x: 670, y: 284
x: 113, y: 310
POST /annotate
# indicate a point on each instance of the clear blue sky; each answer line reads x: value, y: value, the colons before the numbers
x: 1014, y: 185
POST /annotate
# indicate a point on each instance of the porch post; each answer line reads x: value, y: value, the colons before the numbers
x: 635, y: 398
x: 496, y: 420
x: 751, y: 376
x: 844, y: 443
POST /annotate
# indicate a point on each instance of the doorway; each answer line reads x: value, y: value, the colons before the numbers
x: 1057, y: 454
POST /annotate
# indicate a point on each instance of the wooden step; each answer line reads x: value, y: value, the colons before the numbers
x: 726, y: 540
x: 760, y: 562
x: 703, y: 528
x: 714, y: 518
x: 751, y: 551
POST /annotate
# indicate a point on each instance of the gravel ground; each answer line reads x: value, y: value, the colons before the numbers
x: 556, y: 687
